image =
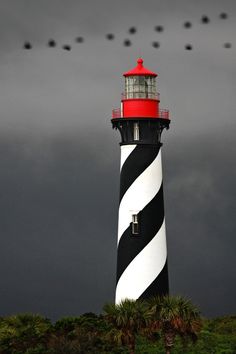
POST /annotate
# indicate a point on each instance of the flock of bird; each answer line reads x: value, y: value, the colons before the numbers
x: 132, y: 30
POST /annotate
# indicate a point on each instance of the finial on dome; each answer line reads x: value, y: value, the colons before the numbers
x: 140, y: 61
x: 140, y: 70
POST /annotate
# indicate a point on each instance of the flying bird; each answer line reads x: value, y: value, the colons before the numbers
x: 227, y: 45
x: 127, y: 43
x: 132, y: 30
x: 205, y: 19
x: 188, y: 47
x: 187, y: 24
x: 66, y: 47
x: 52, y: 43
x: 223, y: 15
x: 79, y: 39
x: 27, y: 45
x: 110, y: 36
x: 159, y: 28
x: 155, y: 44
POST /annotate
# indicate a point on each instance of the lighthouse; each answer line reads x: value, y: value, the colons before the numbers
x: 141, y: 248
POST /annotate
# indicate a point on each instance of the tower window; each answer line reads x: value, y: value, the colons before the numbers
x: 135, y: 224
x: 136, y: 131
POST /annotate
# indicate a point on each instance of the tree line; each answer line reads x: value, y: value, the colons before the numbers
x: 168, y: 324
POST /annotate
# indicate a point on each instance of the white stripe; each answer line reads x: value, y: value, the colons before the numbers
x: 125, y: 152
x: 144, y: 268
x: 140, y: 193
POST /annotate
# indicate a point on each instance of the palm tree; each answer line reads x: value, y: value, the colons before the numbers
x: 127, y: 320
x: 174, y: 316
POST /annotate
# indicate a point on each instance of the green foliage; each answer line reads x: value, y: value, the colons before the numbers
x: 223, y: 325
x: 20, y: 332
x: 83, y: 334
x: 127, y: 320
x: 174, y: 316
x: 89, y: 333
x: 210, y: 341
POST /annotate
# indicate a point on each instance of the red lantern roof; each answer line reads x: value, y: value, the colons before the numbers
x: 140, y: 70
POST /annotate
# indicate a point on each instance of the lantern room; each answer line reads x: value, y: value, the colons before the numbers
x: 140, y: 87
x: 140, y: 82
x: 140, y: 97
x: 139, y: 119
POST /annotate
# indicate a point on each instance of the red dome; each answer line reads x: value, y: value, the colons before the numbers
x: 140, y: 70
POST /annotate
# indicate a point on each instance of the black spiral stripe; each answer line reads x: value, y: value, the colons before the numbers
x: 151, y: 219
x: 142, y: 259
x: 140, y: 158
x: 160, y: 286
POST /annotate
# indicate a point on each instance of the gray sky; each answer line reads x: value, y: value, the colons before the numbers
x: 60, y: 158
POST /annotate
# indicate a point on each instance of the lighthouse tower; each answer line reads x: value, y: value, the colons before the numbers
x: 142, y: 252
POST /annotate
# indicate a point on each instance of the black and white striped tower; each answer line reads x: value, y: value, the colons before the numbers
x: 142, y: 252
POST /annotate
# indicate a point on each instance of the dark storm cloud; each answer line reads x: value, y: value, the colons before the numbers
x: 55, y: 205
x: 59, y: 211
x: 200, y: 197
x: 60, y: 158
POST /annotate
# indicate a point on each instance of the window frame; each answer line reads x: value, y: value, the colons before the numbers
x: 135, y: 227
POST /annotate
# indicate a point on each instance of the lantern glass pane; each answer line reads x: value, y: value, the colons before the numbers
x: 140, y: 87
